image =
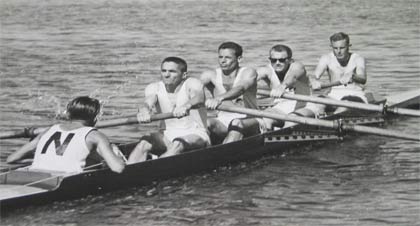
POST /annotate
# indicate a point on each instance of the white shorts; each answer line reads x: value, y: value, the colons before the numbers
x: 226, y: 117
x: 172, y: 134
x: 284, y: 105
x: 338, y: 93
x: 350, y: 90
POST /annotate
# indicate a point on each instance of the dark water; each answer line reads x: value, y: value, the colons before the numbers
x: 53, y: 51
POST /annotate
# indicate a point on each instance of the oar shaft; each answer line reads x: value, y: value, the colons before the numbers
x: 131, y: 120
x: 319, y: 122
x: 27, y: 132
x: 348, y: 104
x: 403, y: 111
x: 332, y: 102
x: 32, y: 132
x: 328, y: 85
x: 379, y: 131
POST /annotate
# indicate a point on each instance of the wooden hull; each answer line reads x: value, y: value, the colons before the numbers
x: 103, y: 180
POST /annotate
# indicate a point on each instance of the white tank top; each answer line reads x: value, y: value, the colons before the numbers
x: 248, y: 99
x: 197, y: 119
x: 301, y: 86
x: 335, y: 70
x: 60, y: 150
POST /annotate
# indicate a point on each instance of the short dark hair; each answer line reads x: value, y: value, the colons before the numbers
x: 181, y: 62
x: 340, y: 36
x: 232, y: 45
x: 282, y: 48
x: 83, y: 108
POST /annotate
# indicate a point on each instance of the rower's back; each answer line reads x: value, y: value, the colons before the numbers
x: 65, y: 147
x: 62, y: 150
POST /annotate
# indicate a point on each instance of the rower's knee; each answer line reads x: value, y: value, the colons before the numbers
x: 236, y: 125
x: 140, y: 152
x: 178, y: 145
x: 304, y: 112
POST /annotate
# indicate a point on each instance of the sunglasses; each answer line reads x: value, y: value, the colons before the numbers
x: 274, y: 60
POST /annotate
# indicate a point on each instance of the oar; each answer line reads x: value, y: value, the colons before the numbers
x: 328, y: 85
x: 6, y: 167
x: 131, y: 120
x: 31, y: 132
x: 349, y: 104
x: 337, y: 124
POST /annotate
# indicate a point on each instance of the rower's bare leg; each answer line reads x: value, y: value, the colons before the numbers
x: 269, y: 124
x: 139, y: 153
x: 215, y: 126
x: 239, y: 128
x: 217, y: 130
x: 185, y: 143
x: 175, y: 148
x: 305, y: 112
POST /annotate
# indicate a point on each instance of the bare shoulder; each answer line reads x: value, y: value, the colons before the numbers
x: 298, y: 67
x: 151, y: 88
x: 193, y: 82
x: 326, y: 57
x: 249, y: 72
x: 153, y: 85
x: 207, y: 76
x: 358, y: 57
x: 263, y: 70
x: 95, y: 136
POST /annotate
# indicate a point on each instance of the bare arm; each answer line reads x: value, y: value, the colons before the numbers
x: 206, y: 77
x: 262, y: 77
x: 25, y: 149
x: 248, y: 79
x: 150, y: 101
x: 196, y: 97
x: 321, y: 67
x: 360, y: 74
x: 319, y: 71
x: 98, y: 140
x: 296, y: 71
x: 196, y: 93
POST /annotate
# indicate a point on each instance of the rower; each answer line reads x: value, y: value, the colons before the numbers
x: 284, y: 75
x: 65, y: 147
x: 232, y: 85
x: 344, y: 68
x: 184, y: 97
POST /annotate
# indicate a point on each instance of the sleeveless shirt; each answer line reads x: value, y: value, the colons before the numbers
x: 197, y: 118
x: 60, y: 150
x: 248, y: 99
x: 301, y: 86
x: 335, y: 70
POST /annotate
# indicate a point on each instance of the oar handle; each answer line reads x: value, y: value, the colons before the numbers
x: 32, y: 132
x: 27, y: 132
x: 337, y: 125
x: 331, y: 84
x: 132, y: 120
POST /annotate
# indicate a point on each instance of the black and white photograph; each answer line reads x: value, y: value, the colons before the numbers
x: 209, y: 112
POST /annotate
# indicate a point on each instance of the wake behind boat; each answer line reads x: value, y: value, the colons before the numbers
x: 23, y: 187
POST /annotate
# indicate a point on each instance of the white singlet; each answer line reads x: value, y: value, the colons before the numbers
x: 63, y: 151
x: 248, y: 99
x: 335, y: 70
x: 301, y: 86
x: 194, y: 123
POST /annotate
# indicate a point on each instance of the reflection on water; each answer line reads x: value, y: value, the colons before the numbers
x: 52, y: 51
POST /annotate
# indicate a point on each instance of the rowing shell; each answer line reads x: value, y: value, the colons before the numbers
x: 23, y: 187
